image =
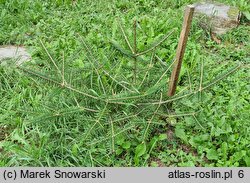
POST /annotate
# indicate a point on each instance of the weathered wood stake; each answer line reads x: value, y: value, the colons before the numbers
x: 181, y: 49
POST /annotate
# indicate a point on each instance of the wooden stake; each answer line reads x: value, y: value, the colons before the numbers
x: 181, y: 49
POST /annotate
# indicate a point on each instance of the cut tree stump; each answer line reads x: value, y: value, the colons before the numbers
x: 217, y: 18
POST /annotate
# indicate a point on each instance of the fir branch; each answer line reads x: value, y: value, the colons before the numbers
x: 52, y: 60
x: 155, y: 44
x: 58, y: 83
x: 125, y: 37
x: 151, y: 119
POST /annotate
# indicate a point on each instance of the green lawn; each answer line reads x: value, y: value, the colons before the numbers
x: 85, y: 100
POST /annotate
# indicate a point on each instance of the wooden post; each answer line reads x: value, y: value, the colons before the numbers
x: 181, y: 49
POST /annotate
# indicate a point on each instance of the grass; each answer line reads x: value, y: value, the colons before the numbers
x: 93, y: 95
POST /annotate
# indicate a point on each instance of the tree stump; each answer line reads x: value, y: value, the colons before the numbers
x: 217, y: 18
